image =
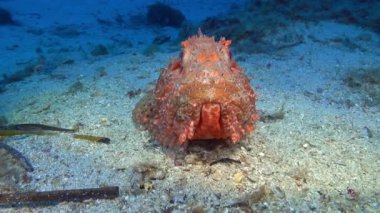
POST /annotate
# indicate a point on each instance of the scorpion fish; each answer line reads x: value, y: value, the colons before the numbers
x: 203, y: 94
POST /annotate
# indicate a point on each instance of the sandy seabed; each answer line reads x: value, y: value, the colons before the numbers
x: 322, y: 155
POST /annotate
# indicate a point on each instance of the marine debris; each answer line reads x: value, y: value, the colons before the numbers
x: 54, y: 197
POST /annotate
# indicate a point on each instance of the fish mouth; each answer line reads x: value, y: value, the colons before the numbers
x: 210, y: 124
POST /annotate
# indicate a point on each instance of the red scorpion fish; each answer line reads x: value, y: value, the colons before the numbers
x: 203, y: 94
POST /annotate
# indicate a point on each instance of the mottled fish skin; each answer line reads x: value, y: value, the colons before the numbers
x: 203, y: 94
x: 35, y: 127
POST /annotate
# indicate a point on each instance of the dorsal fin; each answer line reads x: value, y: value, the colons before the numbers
x: 200, y: 34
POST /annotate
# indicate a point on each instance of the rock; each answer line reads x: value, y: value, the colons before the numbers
x: 161, y: 39
x: 251, y: 198
x: 3, y: 120
x: 6, y: 17
x: 191, y: 159
x: 143, y: 177
x: 151, y: 50
x: 164, y: 15
x: 67, y: 31
x: 99, y: 50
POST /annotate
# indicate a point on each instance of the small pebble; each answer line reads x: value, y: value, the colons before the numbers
x: 313, y: 206
x: 158, y: 175
x: 105, y: 122
x: 238, y: 177
x: 374, y: 205
x: 216, y: 175
x: 278, y: 192
x: 181, y: 198
x: 191, y: 159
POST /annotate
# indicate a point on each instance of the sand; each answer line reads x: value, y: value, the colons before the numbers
x: 323, y: 155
